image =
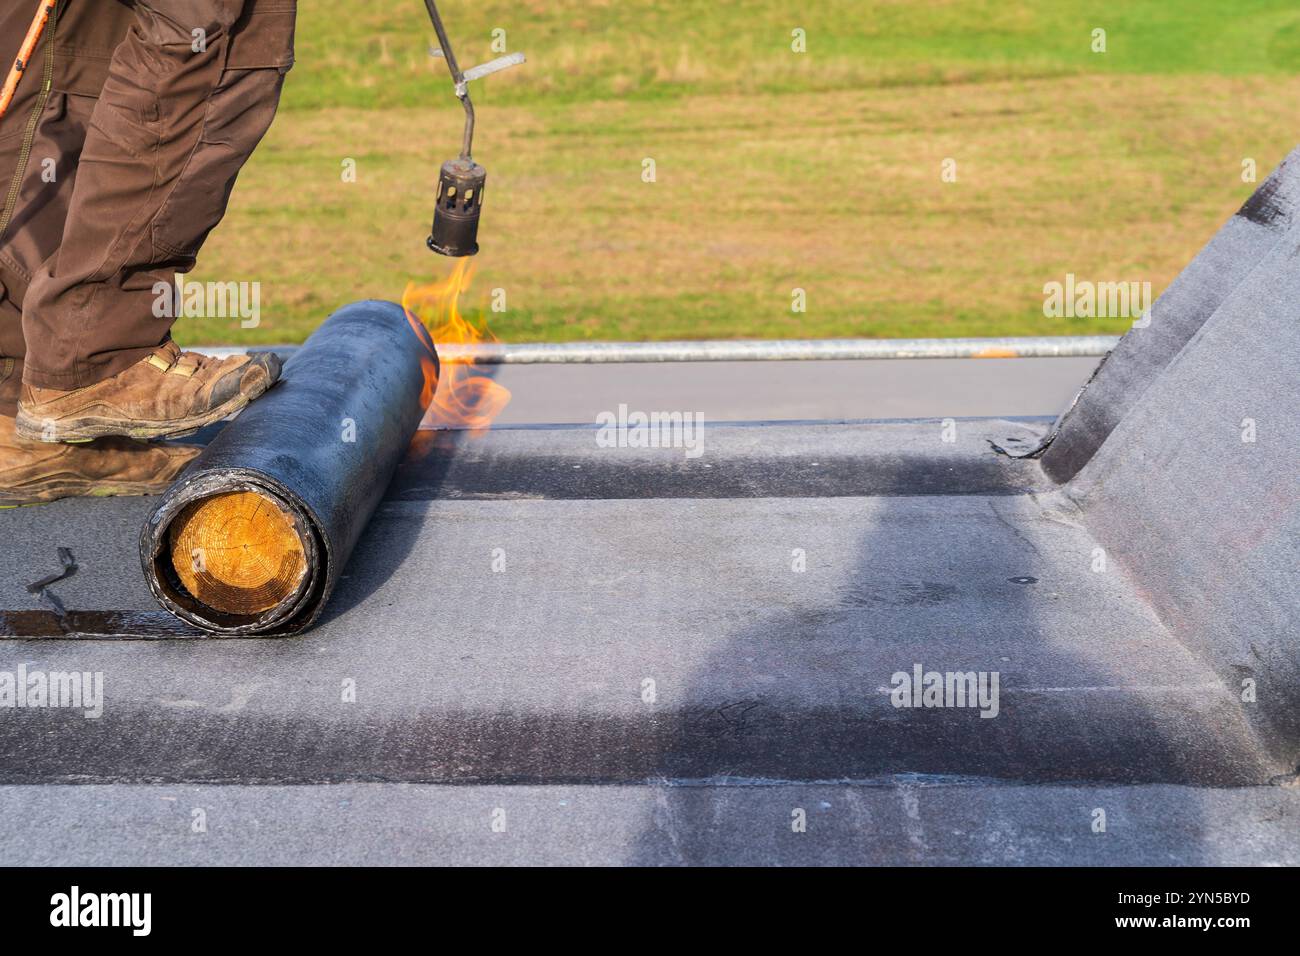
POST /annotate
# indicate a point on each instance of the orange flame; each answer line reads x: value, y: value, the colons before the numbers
x: 464, y: 398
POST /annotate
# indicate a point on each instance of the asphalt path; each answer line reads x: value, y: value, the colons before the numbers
x: 795, y: 391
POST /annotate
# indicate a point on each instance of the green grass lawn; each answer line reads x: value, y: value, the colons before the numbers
x: 774, y: 170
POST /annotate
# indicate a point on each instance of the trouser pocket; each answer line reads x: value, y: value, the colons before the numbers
x: 239, y: 113
x: 263, y: 37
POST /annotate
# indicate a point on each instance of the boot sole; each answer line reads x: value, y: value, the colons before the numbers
x: 76, y: 430
x: 58, y: 488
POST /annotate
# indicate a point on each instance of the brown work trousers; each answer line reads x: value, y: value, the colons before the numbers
x: 118, y: 154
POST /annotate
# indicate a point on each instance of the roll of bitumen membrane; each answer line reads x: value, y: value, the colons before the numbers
x: 252, y: 539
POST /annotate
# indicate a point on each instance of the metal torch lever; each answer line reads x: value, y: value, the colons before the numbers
x: 457, y: 77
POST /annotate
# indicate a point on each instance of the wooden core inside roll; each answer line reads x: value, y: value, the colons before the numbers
x: 237, y: 552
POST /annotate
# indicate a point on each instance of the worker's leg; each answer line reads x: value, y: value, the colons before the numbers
x: 190, y: 92
x: 49, y: 127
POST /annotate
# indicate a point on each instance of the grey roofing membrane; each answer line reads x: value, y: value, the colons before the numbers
x: 1197, y: 491
x: 535, y: 674
x: 1240, y: 249
x: 905, y: 821
x: 527, y: 686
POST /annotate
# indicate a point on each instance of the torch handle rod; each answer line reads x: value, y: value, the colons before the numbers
x: 457, y: 77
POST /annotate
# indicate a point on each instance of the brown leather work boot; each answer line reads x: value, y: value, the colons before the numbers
x: 168, y: 394
x: 32, y: 472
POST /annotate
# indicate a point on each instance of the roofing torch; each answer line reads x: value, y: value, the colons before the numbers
x: 460, y: 183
